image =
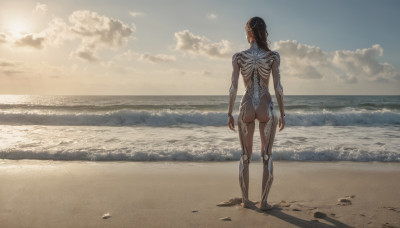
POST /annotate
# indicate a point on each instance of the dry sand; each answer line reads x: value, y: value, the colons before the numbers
x: 185, y: 194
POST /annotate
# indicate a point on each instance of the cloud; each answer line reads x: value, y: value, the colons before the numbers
x: 188, y: 42
x: 137, y: 14
x: 10, y: 68
x: 86, y: 53
x: 40, y: 9
x: 57, y: 32
x: 310, y: 62
x: 96, y: 32
x: 160, y: 58
x: 30, y: 40
x: 8, y: 63
x: 3, y: 38
x: 211, y: 16
x: 363, y: 63
x: 96, y: 28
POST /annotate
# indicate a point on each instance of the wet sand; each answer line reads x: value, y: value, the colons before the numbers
x: 186, y: 194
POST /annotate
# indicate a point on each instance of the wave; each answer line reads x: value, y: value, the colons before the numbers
x: 205, y: 118
x: 212, y: 155
x: 94, y: 108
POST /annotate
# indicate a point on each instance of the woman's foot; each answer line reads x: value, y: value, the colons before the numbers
x: 265, y: 207
x: 245, y: 204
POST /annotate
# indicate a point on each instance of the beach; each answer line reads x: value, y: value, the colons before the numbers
x: 44, y: 193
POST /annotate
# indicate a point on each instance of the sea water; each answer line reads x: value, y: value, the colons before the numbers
x: 194, y: 128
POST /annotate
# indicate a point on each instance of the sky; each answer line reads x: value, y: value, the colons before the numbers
x: 165, y: 47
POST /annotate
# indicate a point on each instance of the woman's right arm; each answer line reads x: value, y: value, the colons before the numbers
x: 233, y: 90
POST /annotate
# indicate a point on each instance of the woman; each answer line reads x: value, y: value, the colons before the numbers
x: 255, y: 64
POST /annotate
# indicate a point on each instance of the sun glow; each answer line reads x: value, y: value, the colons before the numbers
x: 18, y: 27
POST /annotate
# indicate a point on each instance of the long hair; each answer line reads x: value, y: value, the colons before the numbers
x: 257, y: 26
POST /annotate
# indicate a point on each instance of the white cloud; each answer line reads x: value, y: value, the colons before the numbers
x: 57, y: 32
x: 188, y: 42
x: 95, y: 32
x: 211, y: 16
x: 310, y: 62
x: 159, y: 58
x: 40, y: 9
x: 94, y: 28
x: 137, y: 14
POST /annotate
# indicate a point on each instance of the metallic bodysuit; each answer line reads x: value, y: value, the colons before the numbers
x: 255, y: 64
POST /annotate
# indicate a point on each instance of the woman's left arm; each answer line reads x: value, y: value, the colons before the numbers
x: 233, y: 89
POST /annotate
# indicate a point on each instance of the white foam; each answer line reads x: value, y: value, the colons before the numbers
x: 202, y: 118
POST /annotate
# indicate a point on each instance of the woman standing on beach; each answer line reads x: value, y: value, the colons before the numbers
x: 255, y: 64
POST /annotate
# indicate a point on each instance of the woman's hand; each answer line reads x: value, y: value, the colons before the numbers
x: 281, y: 123
x: 231, y: 123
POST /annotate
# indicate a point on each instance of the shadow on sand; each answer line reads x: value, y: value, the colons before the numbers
x: 278, y: 212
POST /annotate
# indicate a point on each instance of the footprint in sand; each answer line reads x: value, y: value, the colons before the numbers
x: 231, y: 202
x: 256, y: 204
x: 393, y: 209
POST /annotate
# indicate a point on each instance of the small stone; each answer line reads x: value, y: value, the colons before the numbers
x: 362, y: 215
x: 344, y: 200
x: 106, y: 216
x: 226, y: 219
x: 319, y: 214
x: 296, y: 209
x: 195, y: 211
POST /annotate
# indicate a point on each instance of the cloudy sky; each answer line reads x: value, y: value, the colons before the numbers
x: 185, y: 47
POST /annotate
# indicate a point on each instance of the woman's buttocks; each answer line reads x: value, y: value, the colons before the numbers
x: 251, y: 112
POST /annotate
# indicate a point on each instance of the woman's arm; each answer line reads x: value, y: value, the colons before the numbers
x: 234, y: 83
x: 233, y: 91
x: 278, y: 86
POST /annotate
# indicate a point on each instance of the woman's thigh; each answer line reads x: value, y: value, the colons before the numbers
x: 247, y: 111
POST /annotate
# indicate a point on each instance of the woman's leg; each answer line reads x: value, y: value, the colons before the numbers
x: 267, y: 133
x: 246, y: 131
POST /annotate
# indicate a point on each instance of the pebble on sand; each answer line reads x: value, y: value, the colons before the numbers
x: 106, y: 216
x: 195, y: 211
x: 226, y: 219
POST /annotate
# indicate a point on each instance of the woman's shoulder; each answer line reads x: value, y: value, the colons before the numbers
x: 236, y: 55
x: 276, y: 54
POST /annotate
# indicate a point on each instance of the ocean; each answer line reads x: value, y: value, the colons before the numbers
x: 194, y: 128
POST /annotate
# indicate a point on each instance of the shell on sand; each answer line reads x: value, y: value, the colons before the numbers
x: 106, y: 216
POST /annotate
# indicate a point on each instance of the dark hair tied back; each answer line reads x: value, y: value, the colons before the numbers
x: 257, y: 26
